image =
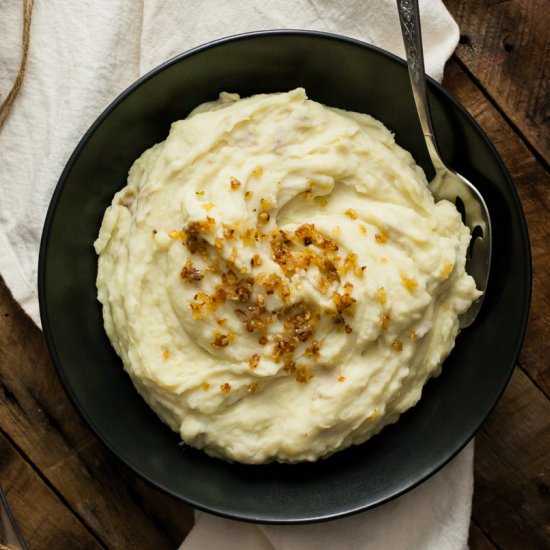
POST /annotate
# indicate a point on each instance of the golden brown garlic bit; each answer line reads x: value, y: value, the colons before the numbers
x: 284, y: 346
x: 204, y: 304
x: 409, y: 284
x: 299, y: 320
x: 191, y: 236
x: 255, y: 317
x: 228, y: 232
x: 248, y: 236
x: 397, y: 345
x: 384, y: 320
x: 234, y: 183
x: 381, y: 238
x: 205, y: 386
x: 303, y: 375
x: 254, y: 360
x: 165, y: 354
x: 225, y: 387
x: 263, y: 218
x: 290, y: 366
x: 248, y: 195
x: 342, y: 301
x: 381, y: 295
x: 350, y: 262
x: 323, y: 285
x: 220, y: 340
x: 328, y: 269
x: 362, y: 229
x: 341, y: 379
x: 214, y: 267
x: 200, y: 300
x: 258, y: 171
x: 313, y: 349
x: 235, y: 289
x: 323, y: 202
x: 412, y: 336
x: 274, y: 284
x: 318, y: 238
x: 251, y: 388
x: 281, y: 245
x: 447, y: 269
x: 256, y: 260
x: 350, y: 213
x: 292, y: 261
x: 348, y: 287
x: 299, y: 324
x: 348, y: 329
x: 190, y: 273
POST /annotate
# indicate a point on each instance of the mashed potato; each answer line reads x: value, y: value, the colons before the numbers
x: 278, y: 280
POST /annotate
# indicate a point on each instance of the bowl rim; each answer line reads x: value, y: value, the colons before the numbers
x: 50, y: 215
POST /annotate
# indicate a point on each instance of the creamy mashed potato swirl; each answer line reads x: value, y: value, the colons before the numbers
x: 278, y: 280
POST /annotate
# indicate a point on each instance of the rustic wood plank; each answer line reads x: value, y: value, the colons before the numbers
x: 477, y: 539
x: 512, y: 469
x: 506, y: 47
x: 169, y: 515
x: 38, y: 417
x: 533, y: 186
x: 43, y: 519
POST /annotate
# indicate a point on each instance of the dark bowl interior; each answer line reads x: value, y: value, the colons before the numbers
x: 341, y: 73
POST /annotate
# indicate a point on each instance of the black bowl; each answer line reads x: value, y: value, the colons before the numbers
x: 339, y: 72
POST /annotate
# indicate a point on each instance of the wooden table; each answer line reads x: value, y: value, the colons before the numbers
x: 67, y: 491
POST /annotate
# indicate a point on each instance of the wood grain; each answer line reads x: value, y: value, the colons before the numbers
x: 513, y: 447
x: 43, y: 519
x: 506, y: 47
x: 39, y: 419
x: 532, y: 182
x: 478, y: 540
x: 512, y: 469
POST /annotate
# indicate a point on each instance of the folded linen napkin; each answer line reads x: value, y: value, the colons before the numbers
x: 81, y: 56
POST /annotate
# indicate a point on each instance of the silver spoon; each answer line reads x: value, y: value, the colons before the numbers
x: 447, y: 184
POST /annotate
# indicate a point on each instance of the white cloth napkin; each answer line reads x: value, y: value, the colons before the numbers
x: 434, y: 516
x: 81, y: 56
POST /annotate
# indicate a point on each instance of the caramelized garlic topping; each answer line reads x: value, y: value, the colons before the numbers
x: 278, y: 280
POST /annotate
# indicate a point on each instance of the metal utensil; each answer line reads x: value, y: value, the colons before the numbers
x: 447, y: 184
x: 10, y: 536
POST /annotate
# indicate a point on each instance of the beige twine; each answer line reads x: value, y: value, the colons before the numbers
x: 7, y: 105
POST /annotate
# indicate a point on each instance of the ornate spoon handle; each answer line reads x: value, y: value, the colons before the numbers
x: 409, y: 17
